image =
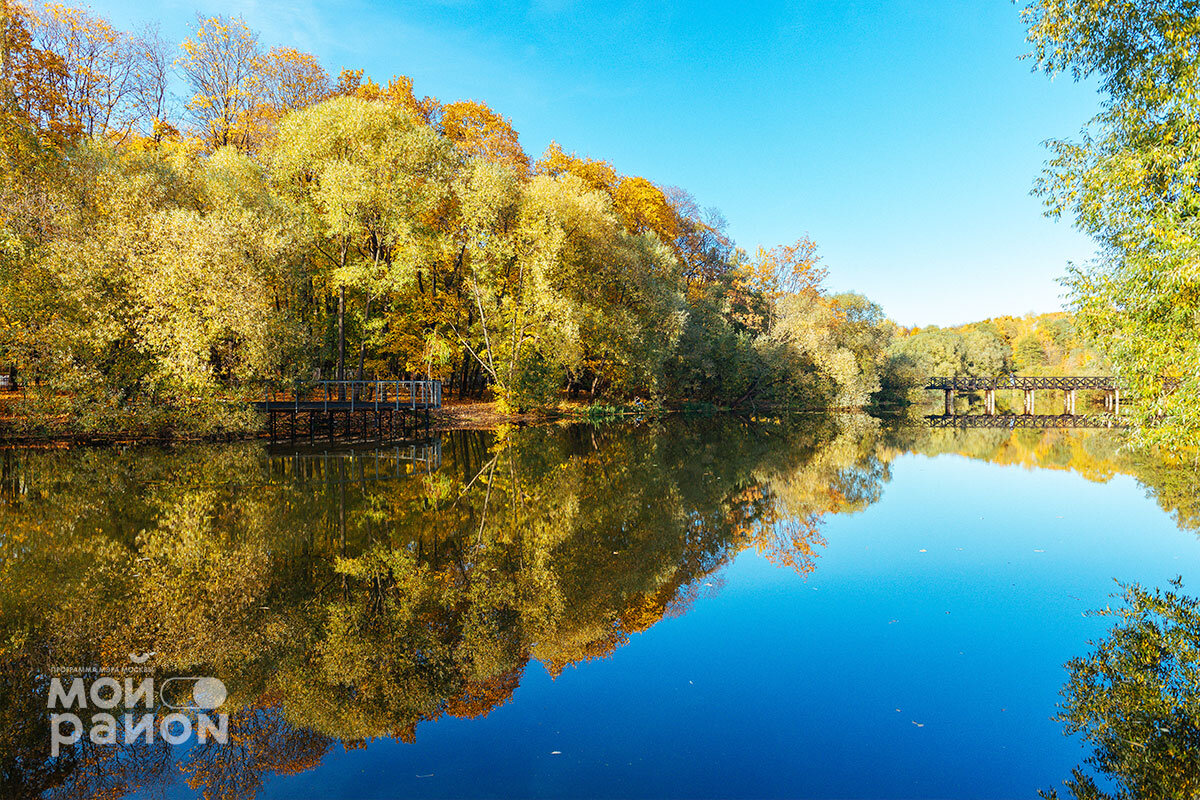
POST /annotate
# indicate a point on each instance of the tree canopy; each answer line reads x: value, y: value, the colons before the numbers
x: 283, y: 226
x: 1130, y: 183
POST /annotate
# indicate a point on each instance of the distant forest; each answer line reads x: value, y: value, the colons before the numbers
x: 1041, y: 344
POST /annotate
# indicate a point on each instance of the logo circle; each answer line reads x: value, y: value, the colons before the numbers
x: 209, y: 693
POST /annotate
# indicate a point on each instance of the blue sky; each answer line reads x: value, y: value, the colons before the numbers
x: 902, y: 136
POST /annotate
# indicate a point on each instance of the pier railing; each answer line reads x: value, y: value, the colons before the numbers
x: 367, y: 410
x: 358, y: 395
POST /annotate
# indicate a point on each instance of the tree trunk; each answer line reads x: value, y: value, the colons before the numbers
x: 362, y: 343
x: 476, y: 383
x: 341, y: 319
x: 462, y: 379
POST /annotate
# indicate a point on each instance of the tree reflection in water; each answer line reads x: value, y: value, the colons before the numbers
x: 1135, y: 699
x: 338, y: 608
x: 335, y: 608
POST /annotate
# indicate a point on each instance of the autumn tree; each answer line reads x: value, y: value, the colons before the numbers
x: 641, y: 206
x: 482, y: 133
x: 595, y: 173
x: 759, y: 283
x: 30, y: 78
x: 105, y: 77
x: 220, y: 61
x: 398, y: 91
x: 152, y: 294
x: 154, y: 106
x: 701, y: 242
x: 363, y: 177
x: 287, y: 80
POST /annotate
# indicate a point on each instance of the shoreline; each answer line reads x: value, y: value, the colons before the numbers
x: 456, y: 415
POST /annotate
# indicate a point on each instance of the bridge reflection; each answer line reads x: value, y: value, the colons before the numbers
x: 1014, y: 421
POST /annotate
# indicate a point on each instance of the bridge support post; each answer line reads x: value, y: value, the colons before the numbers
x: 1030, y: 401
x: 1117, y: 402
x: 949, y: 402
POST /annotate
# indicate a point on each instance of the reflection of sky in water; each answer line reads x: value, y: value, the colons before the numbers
x: 955, y: 599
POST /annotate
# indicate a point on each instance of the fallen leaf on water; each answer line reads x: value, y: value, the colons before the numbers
x: 918, y: 724
x: 556, y: 752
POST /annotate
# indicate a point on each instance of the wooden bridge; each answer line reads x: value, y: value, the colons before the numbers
x: 366, y: 410
x: 1068, y: 384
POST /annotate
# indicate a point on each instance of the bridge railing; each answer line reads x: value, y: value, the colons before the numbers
x: 973, y: 383
x: 984, y: 383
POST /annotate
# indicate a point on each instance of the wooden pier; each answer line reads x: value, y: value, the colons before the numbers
x: 351, y: 410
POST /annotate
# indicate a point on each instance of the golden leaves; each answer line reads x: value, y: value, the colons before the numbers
x: 482, y: 133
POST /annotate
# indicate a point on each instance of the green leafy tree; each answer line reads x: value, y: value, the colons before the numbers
x: 1135, y: 702
x: 1130, y: 183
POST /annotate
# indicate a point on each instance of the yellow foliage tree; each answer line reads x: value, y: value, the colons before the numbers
x: 219, y: 61
x: 482, y: 133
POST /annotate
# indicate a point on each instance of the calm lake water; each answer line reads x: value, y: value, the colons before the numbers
x: 695, y: 608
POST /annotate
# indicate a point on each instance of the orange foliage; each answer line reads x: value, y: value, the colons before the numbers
x: 789, y: 268
x: 399, y: 91
x: 792, y: 542
x: 641, y: 614
x: 478, y: 699
x: 481, y: 132
x: 29, y: 76
x: 596, y: 174
x: 643, y: 208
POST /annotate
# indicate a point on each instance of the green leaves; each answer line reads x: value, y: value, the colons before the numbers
x: 1132, y: 184
x: 1134, y: 697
